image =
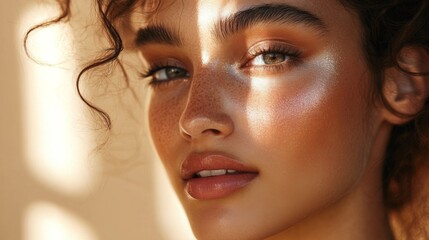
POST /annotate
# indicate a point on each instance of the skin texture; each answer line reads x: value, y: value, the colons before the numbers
x: 306, y: 125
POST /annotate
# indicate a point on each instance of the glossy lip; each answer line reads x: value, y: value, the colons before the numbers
x: 197, y: 162
x: 214, y: 187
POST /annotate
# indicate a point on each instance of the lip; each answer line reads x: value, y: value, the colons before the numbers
x: 215, y: 186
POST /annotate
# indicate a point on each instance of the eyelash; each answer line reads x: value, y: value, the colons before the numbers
x: 152, y: 70
x: 292, y: 57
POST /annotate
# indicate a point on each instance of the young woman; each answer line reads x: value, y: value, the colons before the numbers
x: 286, y: 119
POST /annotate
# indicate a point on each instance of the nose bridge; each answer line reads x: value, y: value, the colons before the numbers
x: 205, y: 112
x: 204, y: 95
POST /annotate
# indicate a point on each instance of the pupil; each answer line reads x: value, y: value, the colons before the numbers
x: 273, y: 58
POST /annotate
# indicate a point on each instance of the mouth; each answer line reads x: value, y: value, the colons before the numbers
x: 211, y: 176
x: 215, y: 173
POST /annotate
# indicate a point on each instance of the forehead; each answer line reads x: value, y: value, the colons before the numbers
x: 202, y: 12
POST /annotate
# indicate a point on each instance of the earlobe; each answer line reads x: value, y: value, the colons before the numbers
x: 406, y: 86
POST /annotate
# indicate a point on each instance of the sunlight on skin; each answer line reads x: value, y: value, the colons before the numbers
x: 259, y: 86
x: 261, y: 89
x: 46, y: 221
x: 57, y: 144
x: 206, y: 14
x: 205, y: 57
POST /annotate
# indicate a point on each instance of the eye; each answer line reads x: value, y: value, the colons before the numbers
x: 269, y: 59
x: 164, y: 73
x: 169, y: 73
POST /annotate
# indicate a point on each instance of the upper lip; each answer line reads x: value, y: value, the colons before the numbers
x: 196, y: 162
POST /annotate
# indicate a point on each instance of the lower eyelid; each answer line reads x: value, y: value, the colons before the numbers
x: 267, y: 69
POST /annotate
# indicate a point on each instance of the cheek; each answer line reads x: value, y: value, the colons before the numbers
x: 163, y: 119
x: 315, y: 134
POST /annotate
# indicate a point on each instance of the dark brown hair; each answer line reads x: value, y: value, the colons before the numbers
x: 388, y: 27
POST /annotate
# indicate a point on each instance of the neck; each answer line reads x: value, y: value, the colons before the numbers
x: 356, y: 217
x: 359, y: 215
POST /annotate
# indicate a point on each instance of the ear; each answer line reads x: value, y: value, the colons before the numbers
x: 406, y: 88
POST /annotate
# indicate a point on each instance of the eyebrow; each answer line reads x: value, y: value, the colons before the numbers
x: 157, y: 34
x: 237, y: 22
x: 266, y: 13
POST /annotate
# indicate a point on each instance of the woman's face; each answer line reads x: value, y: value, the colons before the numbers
x: 259, y: 110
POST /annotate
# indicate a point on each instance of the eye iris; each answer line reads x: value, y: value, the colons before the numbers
x: 173, y: 73
x: 273, y: 58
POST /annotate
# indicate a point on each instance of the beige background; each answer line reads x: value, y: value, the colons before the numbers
x: 53, y: 185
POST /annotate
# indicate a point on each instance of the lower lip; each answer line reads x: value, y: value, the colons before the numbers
x: 217, y: 186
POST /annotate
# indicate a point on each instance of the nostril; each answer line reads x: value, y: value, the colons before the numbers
x: 215, y: 131
x: 212, y: 130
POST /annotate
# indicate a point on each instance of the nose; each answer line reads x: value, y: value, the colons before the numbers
x: 205, y: 114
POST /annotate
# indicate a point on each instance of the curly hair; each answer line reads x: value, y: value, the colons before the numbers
x: 388, y: 27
